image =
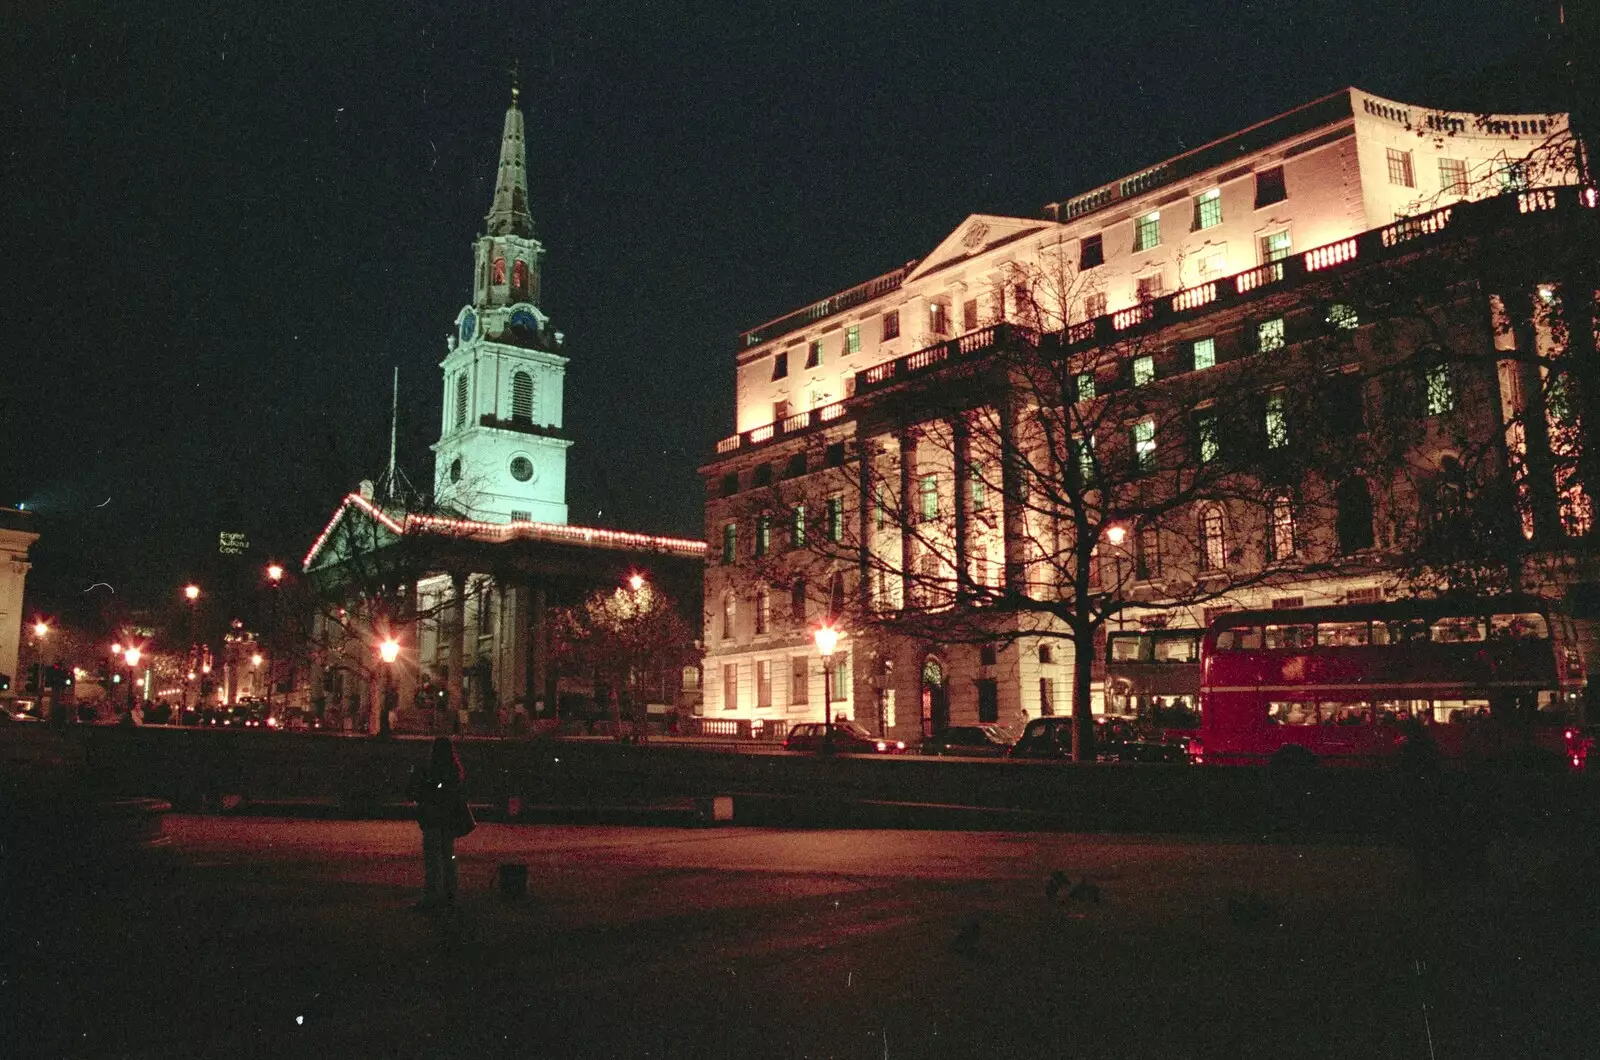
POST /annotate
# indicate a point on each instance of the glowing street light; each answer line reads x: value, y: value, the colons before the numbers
x: 192, y: 592
x: 255, y: 660
x: 132, y: 656
x: 636, y: 582
x: 275, y: 572
x: 389, y: 650
x: 40, y: 629
x: 1116, y: 533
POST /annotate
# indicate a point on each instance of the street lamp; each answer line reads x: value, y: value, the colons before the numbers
x: 275, y: 576
x: 131, y: 656
x: 275, y: 572
x: 41, y: 629
x: 827, y: 638
x: 636, y: 582
x: 388, y: 651
x: 1116, y: 534
x: 191, y: 592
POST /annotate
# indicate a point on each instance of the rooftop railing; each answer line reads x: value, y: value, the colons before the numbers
x: 1261, y: 279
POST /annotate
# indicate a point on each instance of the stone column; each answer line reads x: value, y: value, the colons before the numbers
x: 457, y: 631
x: 908, y: 512
x: 1012, y: 486
x: 865, y: 452
x: 960, y: 428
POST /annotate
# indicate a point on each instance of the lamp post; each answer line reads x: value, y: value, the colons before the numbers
x: 191, y: 593
x: 1117, y: 534
x: 131, y: 656
x: 827, y: 638
x: 274, y: 578
x: 41, y: 629
x: 388, y: 651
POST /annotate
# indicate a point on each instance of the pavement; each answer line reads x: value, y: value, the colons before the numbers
x: 260, y: 936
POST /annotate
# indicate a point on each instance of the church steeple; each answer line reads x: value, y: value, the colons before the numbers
x: 509, y: 215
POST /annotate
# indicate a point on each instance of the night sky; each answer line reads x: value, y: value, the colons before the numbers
x: 223, y: 224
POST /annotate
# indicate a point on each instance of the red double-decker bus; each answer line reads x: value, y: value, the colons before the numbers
x: 1484, y: 678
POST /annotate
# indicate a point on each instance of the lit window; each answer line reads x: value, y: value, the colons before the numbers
x: 1205, y: 353
x: 1213, y: 554
x: 1208, y: 209
x: 1513, y: 176
x: 499, y: 271
x: 780, y: 365
x: 891, y: 325
x: 1205, y: 432
x: 1085, y: 386
x: 1147, y: 231
x: 1277, y: 420
x: 1085, y: 448
x: 814, y: 354
x: 836, y: 519
x: 730, y: 615
x: 1441, y: 396
x: 763, y: 610
x: 1144, y: 445
x: 938, y: 318
x: 1269, y: 335
x: 852, y: 339
x: 1452, y: 176
x: 1343, y: 315
x: 1270, y: 187
x: 1091, y: 252
x: 730, y: 542
x: 519, y: 276
x: 763, y: 534
x: 1274, y: 247
x: 979, y: 489
x: 1400, y: 169
x: 1149, y: 287
x: 797, y: 529
x: 929, y: 498
x: 1280, y: 528
x: 1144, y: 370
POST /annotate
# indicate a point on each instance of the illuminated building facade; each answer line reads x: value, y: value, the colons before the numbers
x: 16, y: 537
x: 854, y: 415
x: 464, y: 581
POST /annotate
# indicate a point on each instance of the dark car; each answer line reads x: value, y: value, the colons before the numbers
x: 970, y: 741
x: 1115, y: 740
x: 846, y: 738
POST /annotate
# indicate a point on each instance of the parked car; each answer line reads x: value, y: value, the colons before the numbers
x: 971, y: 741
x: 846, y: 738
x: 1115, y: 740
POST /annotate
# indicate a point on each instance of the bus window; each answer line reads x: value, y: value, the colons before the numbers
x: 1457, y: 629
x: 1177, y: 648
x: 1526, y: 626
x: 1342, y: 634
x: 1128, y: 647
x: 1459, y: 711
x: 1244, y: 638
x: 1346, y: 713
x: 1408, y: 630
x: 1291, y: 713
x: 1291, y: 636
x: 1398, y: 711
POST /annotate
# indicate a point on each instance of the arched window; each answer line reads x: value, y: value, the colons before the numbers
x: 1353, y: 521
x: 522, y: 397
x: 498, y: 277
x: 461, y: 401
x: 1213, y: 549
x: 519, y: 276
x: 1280, y: 527
x: 730, y: 612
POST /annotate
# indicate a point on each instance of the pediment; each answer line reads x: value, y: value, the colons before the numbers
x: 974, y: 237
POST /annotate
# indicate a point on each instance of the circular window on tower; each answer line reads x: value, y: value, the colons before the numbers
x: 455, y: 470
x: 521, y: 468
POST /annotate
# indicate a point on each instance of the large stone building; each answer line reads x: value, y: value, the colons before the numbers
x: 16, y: 537
x: 896, y: 457
x: 463, y: 578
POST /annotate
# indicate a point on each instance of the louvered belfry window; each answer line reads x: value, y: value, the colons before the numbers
x: 461, y: 400
x: 522, y: 397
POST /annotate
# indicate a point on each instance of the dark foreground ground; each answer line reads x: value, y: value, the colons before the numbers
x: 271, y: 937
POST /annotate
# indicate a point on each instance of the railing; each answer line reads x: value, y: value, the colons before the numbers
x: 1536, y: 201
x: 1260, y: 276
x: 1195, y: 297
x: 1327, y: 257
x: 1123, y: 319
x: 737, y: 728
x: 861, y: 292
x: 728, y: 445
x: 1409, y: 228
x: 1083, y: 332
x: 829, y: 413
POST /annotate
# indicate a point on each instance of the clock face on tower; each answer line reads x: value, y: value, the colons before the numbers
x: 469, y: 326
x: 523, y: 320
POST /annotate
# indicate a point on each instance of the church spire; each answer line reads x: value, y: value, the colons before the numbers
x: 509, y: 215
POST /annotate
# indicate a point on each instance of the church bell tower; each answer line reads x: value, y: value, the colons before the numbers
x: 501, y: 454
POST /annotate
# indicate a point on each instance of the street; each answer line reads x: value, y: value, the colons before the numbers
x: 267, y: 936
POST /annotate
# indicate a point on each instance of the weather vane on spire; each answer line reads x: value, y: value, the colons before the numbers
x: 516, y: 78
